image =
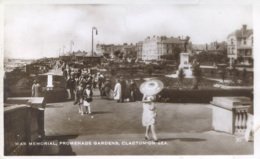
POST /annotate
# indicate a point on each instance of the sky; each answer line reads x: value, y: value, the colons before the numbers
x: 35, y: 31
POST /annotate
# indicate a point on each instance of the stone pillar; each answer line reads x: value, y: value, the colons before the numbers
x: 230, y: 114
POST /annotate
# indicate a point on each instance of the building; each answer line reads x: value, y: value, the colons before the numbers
x: 240, y: 46
x: 111, y: 48
x: 105, y: 48
x: 213, y: 47
x: 154, y: 47
x: 216, y: 48
x: 139, y: 49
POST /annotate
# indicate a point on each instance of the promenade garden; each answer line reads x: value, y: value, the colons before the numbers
x: 183, y: 90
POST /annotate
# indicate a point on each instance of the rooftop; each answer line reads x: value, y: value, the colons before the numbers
x: 242, y: 33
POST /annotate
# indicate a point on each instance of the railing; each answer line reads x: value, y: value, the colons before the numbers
x: 23, y: 123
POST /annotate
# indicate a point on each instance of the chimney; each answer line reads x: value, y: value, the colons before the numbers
x: 243, y: 29
x: 206, y: 47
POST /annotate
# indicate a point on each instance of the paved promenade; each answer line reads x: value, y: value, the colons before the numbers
x: 116, y: 129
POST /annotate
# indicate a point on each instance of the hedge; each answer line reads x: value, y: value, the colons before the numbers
x: 51, y: 96
x: 195, y: 96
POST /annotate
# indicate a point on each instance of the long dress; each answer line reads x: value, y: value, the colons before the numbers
x: 149, y: 114
x: 117, y: 91
x: 36, y: 90
x: 87, y: 93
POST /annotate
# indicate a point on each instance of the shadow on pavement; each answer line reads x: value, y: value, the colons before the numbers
x: 63, y: 146
x: 53, y: 106
x: 100, y: 112
x: 184, y: 139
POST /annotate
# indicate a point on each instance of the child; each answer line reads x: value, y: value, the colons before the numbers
x: 87, y: 94
x: 79, y: 94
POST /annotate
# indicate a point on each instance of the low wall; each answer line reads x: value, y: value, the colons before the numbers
x: 23, y: 124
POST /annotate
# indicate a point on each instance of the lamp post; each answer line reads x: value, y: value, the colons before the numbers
x: 93, y: 28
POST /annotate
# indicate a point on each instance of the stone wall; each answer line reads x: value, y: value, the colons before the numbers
x: 23, y: 123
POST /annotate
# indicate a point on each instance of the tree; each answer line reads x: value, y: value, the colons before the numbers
x: 116, y: 53
x: 168, y: 57
x: 150, y: 69
x: 212, y: 72
x: 240, y: 59
x: 181, y: 75
x: 251, y: 60
x: 106, y: 55
x: 176, y: 53
x: 244, y: 76
x: 197, y: 73
x: 223, y: 74
x: 112, y: 72
x: 120, y: 55
x: 235, y: 74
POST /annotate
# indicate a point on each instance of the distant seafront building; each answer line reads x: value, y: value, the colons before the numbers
x: 154, y: 47
x: 111, y: 48
x: 240, y: 45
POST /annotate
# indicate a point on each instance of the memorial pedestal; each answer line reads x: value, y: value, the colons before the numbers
x: 50, y: 82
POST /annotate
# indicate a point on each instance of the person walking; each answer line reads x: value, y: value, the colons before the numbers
x: 36, y: 89
x: 117, y: 91
x: 123, y: 89
x: 76, y: 84
x: 100, y: 85
x: 149, y: 116
x: 79, y: 94
x: 107, y: 88
x: 70, y: 85
x: 150, y: 89
x: 94, y: 81
x: 133, y: 89
x: 87, y: 94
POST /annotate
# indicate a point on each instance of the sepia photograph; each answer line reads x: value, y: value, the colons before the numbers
x: 128, y: 79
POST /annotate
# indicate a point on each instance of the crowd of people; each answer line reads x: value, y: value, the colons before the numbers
x: 80, y: 84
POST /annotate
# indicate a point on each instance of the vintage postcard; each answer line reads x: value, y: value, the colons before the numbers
x: 95, y: 78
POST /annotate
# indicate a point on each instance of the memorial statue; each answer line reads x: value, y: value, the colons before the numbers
x: 186, y: 42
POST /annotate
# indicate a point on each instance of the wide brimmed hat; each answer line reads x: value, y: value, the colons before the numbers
x: 151, y: 87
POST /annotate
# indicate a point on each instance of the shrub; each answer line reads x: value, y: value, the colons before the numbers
x: 195, y: 96
x: 181, y: 75
x: 55, y: 95
x: 199, y: 96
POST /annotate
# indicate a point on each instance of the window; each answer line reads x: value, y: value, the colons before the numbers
x: 244, y: 41
x: 232, y: 41
x: 232, y: 50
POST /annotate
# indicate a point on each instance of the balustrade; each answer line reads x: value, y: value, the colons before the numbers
x: 230, y: 114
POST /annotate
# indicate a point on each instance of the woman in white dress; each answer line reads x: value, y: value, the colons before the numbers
x: 87, y: 94
x: 117, y: 91
x: 149, y: 116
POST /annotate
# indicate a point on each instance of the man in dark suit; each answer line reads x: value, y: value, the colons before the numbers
x: 107, y: 88
x: 123, y: 88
